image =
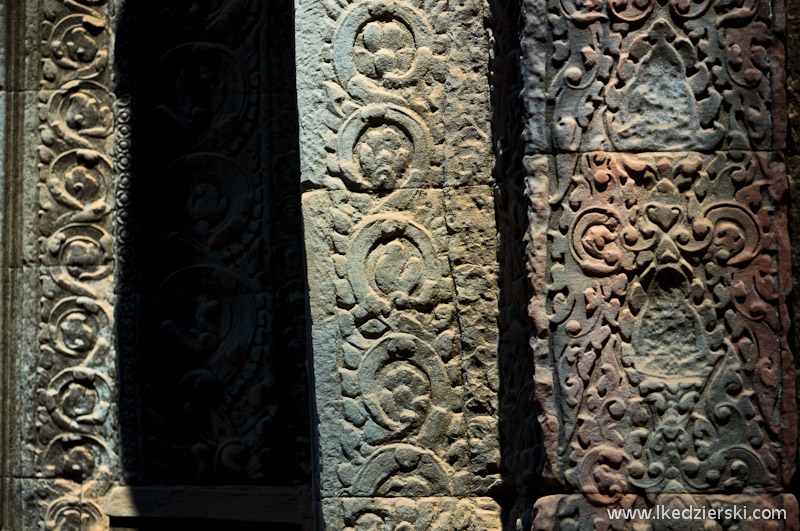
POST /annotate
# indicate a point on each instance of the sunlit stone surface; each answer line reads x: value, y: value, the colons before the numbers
x: 656, y: 131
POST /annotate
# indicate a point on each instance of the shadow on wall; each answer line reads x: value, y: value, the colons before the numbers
x: 520, y: 434
x: 213, y: 400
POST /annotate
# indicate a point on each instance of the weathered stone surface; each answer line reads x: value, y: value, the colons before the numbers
x: 53, y: 504
x: 670, y: 512
x: 393, y: 100
x: 658, y: 248
x: 67, y: 413
x: 420, y: 514
x: 473, y: 258
x: 792, y: 77
x: 212, y: 248
x: 665, y: 367
x: 653, y: 76
x: 392, y: 94
x: 390, y: 355
x: 385, y: 345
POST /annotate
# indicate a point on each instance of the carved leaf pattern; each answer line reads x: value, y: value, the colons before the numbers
x: 403, y: 116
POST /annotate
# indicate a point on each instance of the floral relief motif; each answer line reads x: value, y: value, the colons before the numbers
x: 73, y: 438
x: 78, y: 47
x: 404, y: 115
x: 669, y: 374
x: 395, y: 311
x: 659, y: 260
x: 383, y: 61
x: 653, y: 75
x: 385, y: 68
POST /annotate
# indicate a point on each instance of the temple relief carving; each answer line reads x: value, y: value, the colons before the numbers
x: 400, y: 241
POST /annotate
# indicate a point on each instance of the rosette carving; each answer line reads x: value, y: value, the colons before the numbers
x: 76, y: 329
x: 381, y: 44
x: 404, y: 385
x: 392, y: 263
x: 80, y: 181
x: 72, y: 436
x: 80, y: 113
x: 383, y: 147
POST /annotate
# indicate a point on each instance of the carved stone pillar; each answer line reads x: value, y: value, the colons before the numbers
x: 60, y: 452
x: 401, y: 252
x: 660, y: 258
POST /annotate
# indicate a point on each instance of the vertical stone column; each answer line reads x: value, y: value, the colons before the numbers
x: 660, y: 262
x: 400, y: 246
x: 59, y: 362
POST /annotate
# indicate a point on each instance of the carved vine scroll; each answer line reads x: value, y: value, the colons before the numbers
x: 73, y: 443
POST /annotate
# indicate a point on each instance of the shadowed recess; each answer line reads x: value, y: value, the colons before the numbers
x: 210, y: 315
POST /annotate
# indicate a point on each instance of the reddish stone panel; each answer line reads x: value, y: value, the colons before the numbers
x: 662, y: 363
x: 649, y: 75
x: 669, y: 512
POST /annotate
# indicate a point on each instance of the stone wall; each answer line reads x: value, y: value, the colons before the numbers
x: 60, y: 448
x: 154, y: 318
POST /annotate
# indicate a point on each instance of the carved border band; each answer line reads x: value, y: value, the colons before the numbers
x: 73, y: 440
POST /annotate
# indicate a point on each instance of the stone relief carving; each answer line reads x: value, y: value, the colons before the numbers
x: 212, y: 270
x: 385, y: 95
x: 391, y: 88
x: 397, y: 378
x: 653, y: 76
x: 73, y: 438
x: 659, y: 251
x: 666, y: 299
x: 394, y: 121
x: 680, y: 235
x: 399, y: 373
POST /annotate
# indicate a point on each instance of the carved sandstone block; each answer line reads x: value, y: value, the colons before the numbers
x: 385, y: 341
x: 403, y: 304
x: 668, y: 512
x: 653, y: 76
x: 662, y: 362
x: 401, y: 251
x: 420, y: 514
x: 392, y: 94
x: 70, y: 421
x: 53, y: 504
